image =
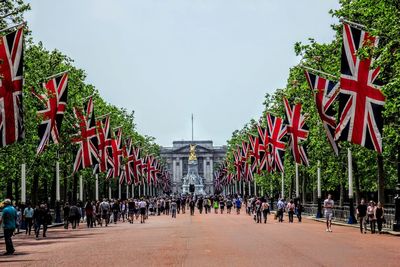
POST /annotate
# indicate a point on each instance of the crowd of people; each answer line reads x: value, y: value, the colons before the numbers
x: 102, y: 213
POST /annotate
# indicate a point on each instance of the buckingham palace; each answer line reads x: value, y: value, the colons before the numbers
x: 177, y: 158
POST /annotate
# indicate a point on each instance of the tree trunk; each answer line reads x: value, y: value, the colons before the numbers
x: 34, y: 189
x: 45, y: 197
x: 9, y: 189
x: 381, y: 180
x: 356, y: 181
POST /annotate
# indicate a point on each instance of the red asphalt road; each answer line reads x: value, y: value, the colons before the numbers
x: 206, y: 240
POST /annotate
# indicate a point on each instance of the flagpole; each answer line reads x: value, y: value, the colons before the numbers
x: 109, y: 191
x: 297, y: 181
x: 14, y: 26
x: 56, y: 75
x: 133, y: 190
x: 283, y: 186
x: 255, y: 188
x: 352, y: 219
x: 319, y: 72
x: 127, y: 191
x: 249, y: 184
x: 97, y: 186
x: 58, y: 198
x: 81, y: 188
x: 357, y: 25
x: 319, y: 212
x: 119, y: 190
x: 23, y: 183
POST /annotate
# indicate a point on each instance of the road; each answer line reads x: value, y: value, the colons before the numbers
x: 206, y: 240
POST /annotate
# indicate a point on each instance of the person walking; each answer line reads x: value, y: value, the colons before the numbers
x: 265, y: 210
x: 361, y: 211
x: 238, y: 205
x: 192, y: 205
x: 115, y: 210
x: 290, y: 209
x: 200, y: 203
x: 299, y: 210
x: 216, y: 206
x: 222, y: 204
x: 371, y: 216
x: 104, y: 210
x: 41, y: 219
x: 66, y: 215
x: 229, y: 205
x: 178, y: 204
x: 328, y: 212
x: 74, y: 215
x: 8, y: 221
x: 89, y: 214
x: 123, y: 209
x: 379, y: 215
x: 142, y: 207
x: 174, y: 206
x: 183, y: 205
x: 281, y: 208
x: 258, y: 210
x: 28, y: 217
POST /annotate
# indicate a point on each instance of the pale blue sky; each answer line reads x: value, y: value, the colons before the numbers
x: 168, y: 58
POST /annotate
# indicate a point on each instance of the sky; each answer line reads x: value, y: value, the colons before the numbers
x: 167, y: 59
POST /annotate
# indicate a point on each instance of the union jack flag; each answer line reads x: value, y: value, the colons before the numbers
x: 254, y: 153
x: 128, y: 156
x: 247, y: 174
x: 297, y: 131
x: 263, y: 148
x: 11, y: 81
x: 116, y: 151
x: 238, y: 163
x: 360, y: 100
x: 325, y: 93
x: 276, y: 131
x: 104, y: 138
x: 55, y: 100
x: 88, y: 144
x: 137, y: 165
x: 149, y: 168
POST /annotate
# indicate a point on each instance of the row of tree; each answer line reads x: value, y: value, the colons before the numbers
x: 374, y: 173
x: 38, y: 64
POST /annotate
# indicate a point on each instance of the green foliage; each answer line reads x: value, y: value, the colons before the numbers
x: 381, y: 18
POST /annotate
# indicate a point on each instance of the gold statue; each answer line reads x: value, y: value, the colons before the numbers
x: 192, y: 155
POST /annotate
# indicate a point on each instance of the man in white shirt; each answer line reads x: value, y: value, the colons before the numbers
x: 328, y: 210
x: 142, y: 207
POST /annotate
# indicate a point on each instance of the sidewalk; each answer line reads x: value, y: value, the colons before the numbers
x: 23, y: 230
x: 385, y: 231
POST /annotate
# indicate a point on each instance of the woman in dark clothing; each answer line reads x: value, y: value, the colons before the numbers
x: 379, y: 213
x: 115, y: 209
x: 89, y: 214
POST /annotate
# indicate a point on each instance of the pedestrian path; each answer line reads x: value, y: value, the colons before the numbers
x: 205, y: 240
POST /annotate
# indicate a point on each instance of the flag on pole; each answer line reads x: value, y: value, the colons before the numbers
x: 276, y: 132
x: 297, y: 131
x: 87, y: 155
x: 325, y: 93
x: 116, y: 151
x: 55, y: 101
x: 360, y: 99
x: 11, y: 81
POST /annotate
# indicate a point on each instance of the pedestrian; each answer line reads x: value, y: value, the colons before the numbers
x: 115, y: 210
x: 328, y: 212
x: 229, y: 205
x: 142, y: 206
x: 8, y: 220
x: 183, y: 205
x: 216, y: 206
x: 89, y: 214
x: 200, y: 203
x: 167, y: 206
x: 131, y: 210
x: 258, y: 210
x: 299, y: 210
x: 173, y: 208
x: 371, y: 216
x: 178, y: 205
x: 123, y: 210
x: 41, y: 219
x: 66, y: 215
x: 222, y: 204
x: 105, y: 211
x: 28, y: 217
x: 73, y: 215
x: 238, y: 205
x: 19, y: 218
x: 290, y: 209
x: 192, y: 205
x: 361, y: 211
x: 379, y: 215
x: 281, y: 209
x: 265, y: 210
